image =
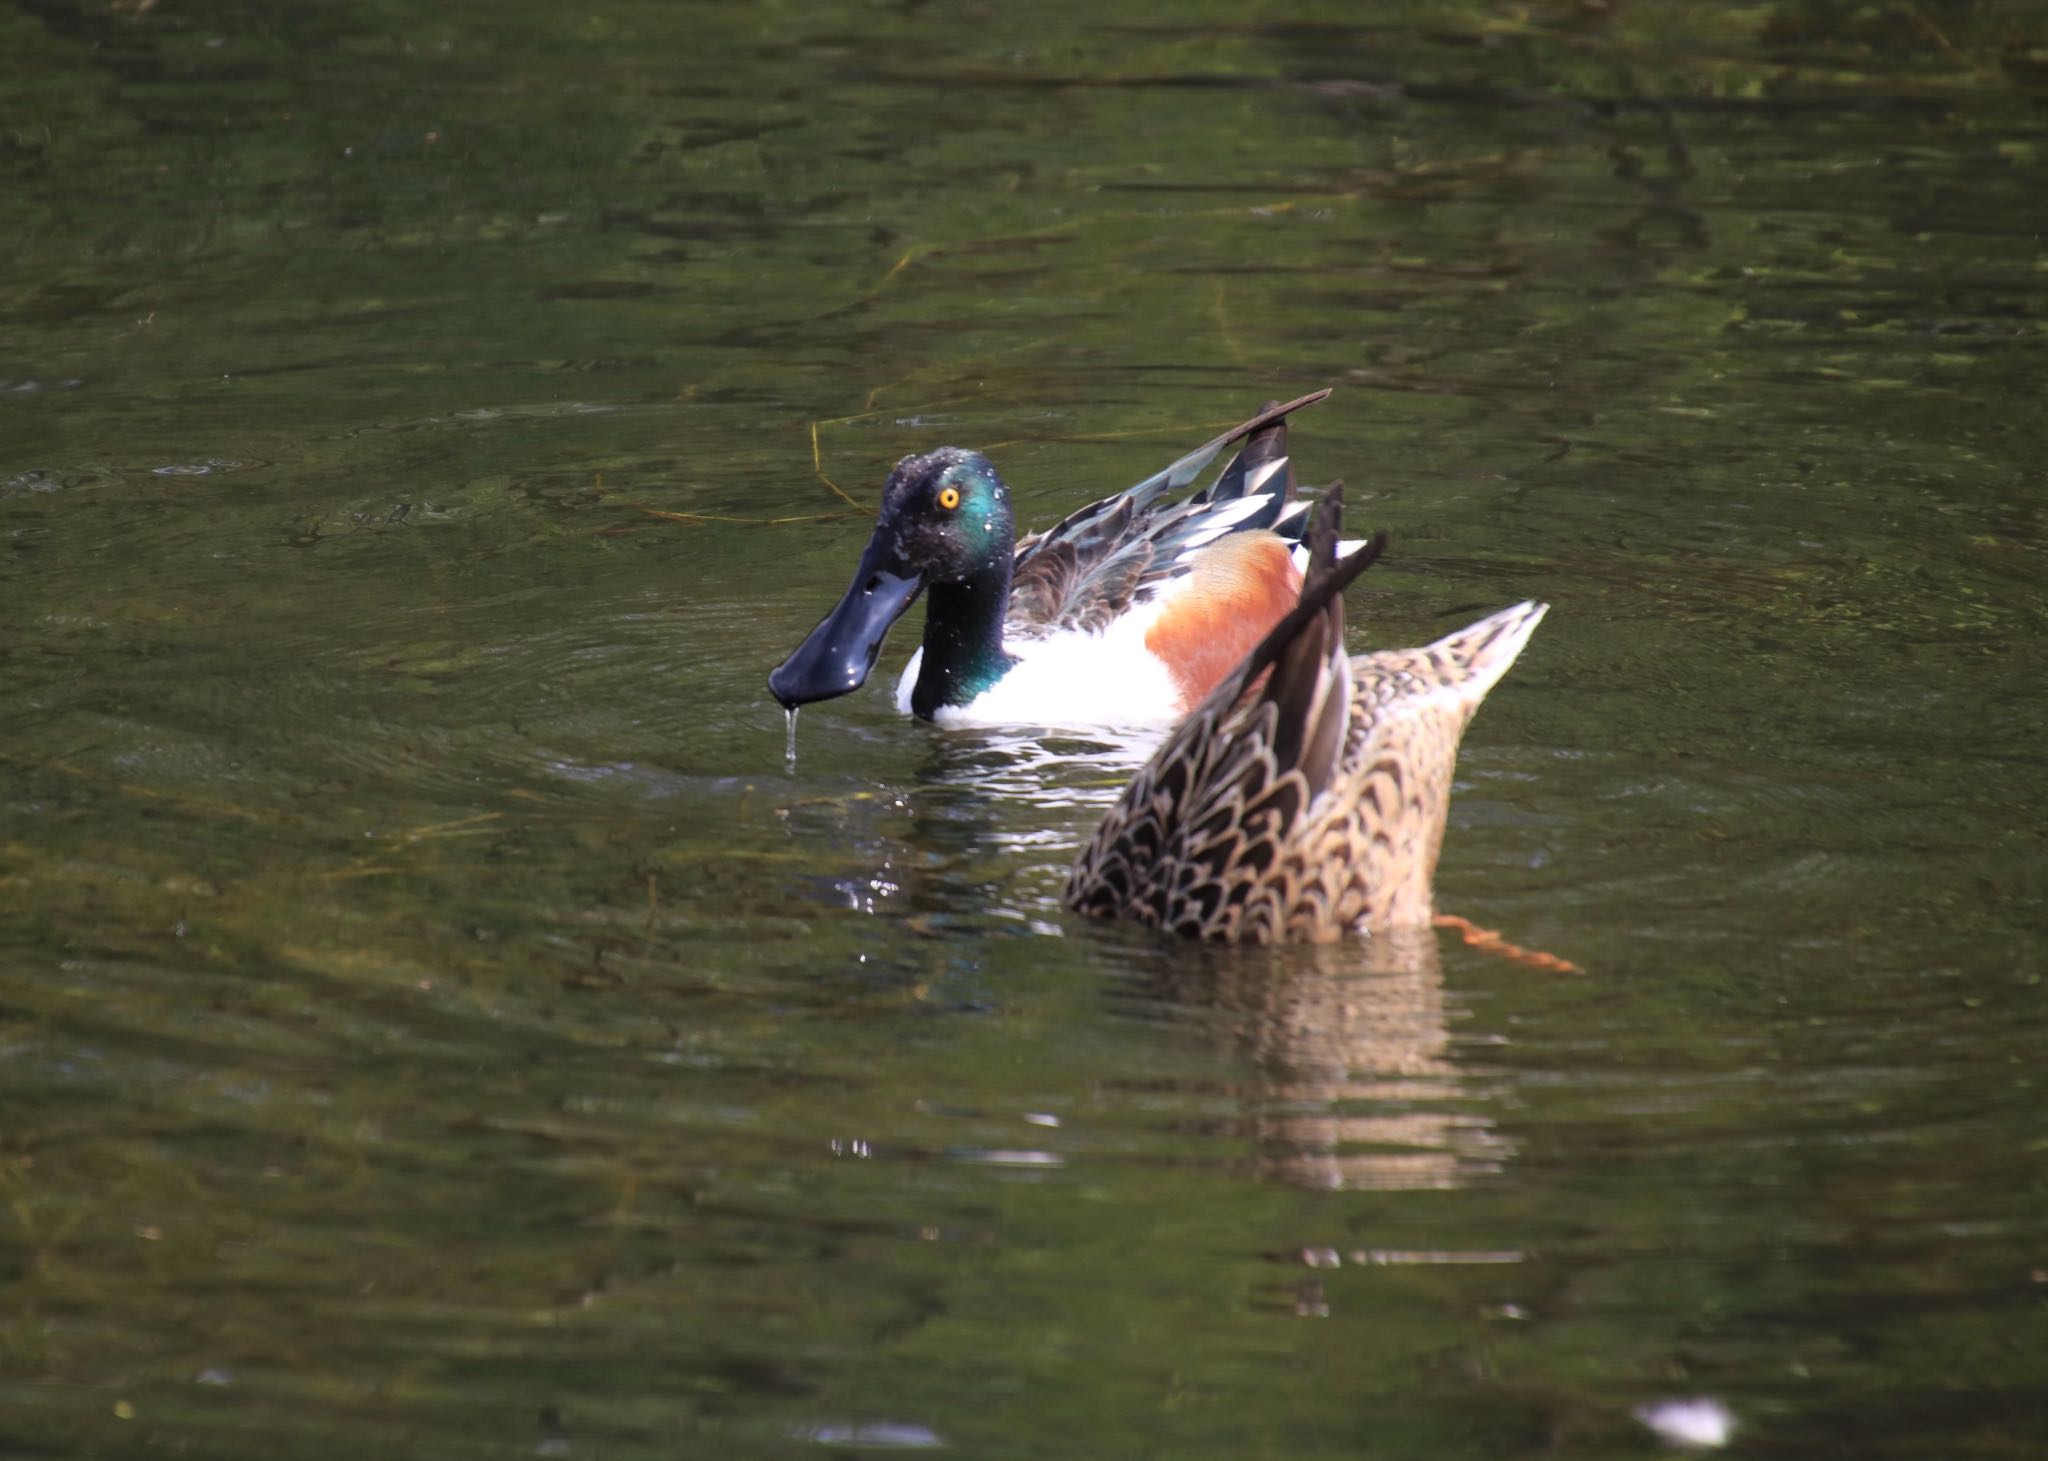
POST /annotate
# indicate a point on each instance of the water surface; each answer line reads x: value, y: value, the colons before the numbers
x: 437, y: 1022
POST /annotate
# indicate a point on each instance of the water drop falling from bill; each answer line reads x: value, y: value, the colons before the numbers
x: 790, y: 750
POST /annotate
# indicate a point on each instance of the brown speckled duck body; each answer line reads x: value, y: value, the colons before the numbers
x: 1304, y: 799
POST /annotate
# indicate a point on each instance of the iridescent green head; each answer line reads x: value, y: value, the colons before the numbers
x: 947, y: 515
x: 945, y: 522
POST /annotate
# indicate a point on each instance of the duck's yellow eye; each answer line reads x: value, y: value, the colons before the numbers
x: 949, y: 498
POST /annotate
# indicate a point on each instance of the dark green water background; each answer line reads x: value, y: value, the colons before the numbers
x: 435, y: 1023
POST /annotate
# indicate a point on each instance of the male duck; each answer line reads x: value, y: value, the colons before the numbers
x: 1126, y: 613
x: 1312, y: 804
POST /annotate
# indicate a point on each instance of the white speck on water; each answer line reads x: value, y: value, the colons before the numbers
x: 1701, y: 1422
x: 891, y: 1435
x: 1000, y: 1157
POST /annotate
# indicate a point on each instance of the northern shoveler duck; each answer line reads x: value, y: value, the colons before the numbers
x: 1305, y: 797
x: 1126, y: 613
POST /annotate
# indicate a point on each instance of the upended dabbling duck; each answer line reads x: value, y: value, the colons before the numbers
x: 1305, y: 797
x: 1125, y: 613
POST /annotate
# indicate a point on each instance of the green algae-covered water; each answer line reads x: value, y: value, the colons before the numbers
x: 436, y: 1022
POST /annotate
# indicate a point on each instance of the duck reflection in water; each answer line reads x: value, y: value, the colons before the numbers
x: 1355, y: 1086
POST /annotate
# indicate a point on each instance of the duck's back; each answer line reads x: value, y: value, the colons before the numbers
x: 1366, y: 854
x: 1247, y: 829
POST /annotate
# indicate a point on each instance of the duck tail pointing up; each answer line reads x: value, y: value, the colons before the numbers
x: 1476, y: 656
